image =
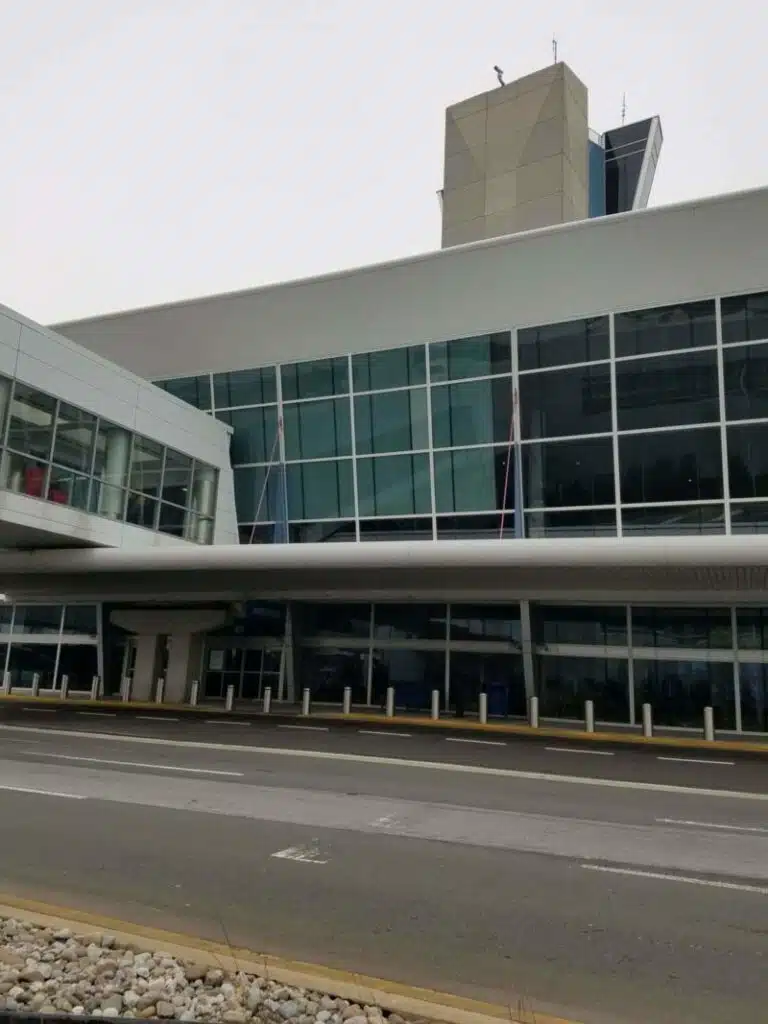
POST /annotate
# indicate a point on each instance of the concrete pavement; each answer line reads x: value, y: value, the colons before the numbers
x: 608, y: 889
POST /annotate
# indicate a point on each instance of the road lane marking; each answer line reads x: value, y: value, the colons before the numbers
x: 482, y: 743
x: 136, y: 764
x: 685, y: 879
x: 696, y: 760
x: 42, y: 792
x: 384, y: 732
x: 98, y: 714
x: 580, y: 750
x: 42, y: 711
x: 390, y: 762
x: 223, y: 721
x: 306, y: 728
x: 156, y: 718
x: 711, y: 824
x: 309, y: 854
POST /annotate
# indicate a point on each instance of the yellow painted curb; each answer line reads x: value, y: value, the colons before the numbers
x: 357, y: 988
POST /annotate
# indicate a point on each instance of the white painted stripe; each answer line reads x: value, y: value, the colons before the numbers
x: 384, y: 732
x: 306, y: 728
x: 393, y: 762
x: 685, y: 879
x: 580, y: 750
x: 42, y: 711
x: 302, y: 854
x: 98, y: 714
x: 483, y: 743
x: 156, y: 718
x: 223, y: 721
x: 711, y: 824
x: 696, y: 760
x: 42, y: 792
x: 136, y: 764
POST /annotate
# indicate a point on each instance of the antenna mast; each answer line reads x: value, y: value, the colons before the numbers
x: 554, y: 49
x: 623, y: 108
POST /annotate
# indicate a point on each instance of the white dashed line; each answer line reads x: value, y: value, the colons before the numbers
x: 580, y: 750
x: 136, y: 764
x: 384, y: 732
x: 155, y: 718
x: 42, y: 711
x: 42, y: 792
x: 686, y: 880
x: 223, y: 721
x: 711, y: 824
x: 483, y: 743
x: 98, y: 714
x: 696, y: 760
x: 306, y: 728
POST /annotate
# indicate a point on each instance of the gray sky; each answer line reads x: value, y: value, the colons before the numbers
x: 158, y: 149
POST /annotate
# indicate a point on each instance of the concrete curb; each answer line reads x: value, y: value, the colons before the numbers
x: 392, y: 996
x: 613, y: 738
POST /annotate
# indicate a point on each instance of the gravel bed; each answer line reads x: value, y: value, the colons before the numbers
x: 48, y: 970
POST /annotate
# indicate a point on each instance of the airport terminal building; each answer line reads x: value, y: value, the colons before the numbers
x: 532, y: 462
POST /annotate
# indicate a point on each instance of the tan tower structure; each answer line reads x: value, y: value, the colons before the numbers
x: 516, y: 157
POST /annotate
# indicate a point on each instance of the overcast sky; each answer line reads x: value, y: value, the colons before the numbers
x: 154, y: 150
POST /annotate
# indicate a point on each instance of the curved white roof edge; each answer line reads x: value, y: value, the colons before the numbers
x: 727, y: 551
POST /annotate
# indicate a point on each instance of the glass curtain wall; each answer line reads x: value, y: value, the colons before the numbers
x: 50, y: 641
x: 59, y: 453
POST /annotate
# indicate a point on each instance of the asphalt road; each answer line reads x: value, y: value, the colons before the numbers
x: 610, y: 887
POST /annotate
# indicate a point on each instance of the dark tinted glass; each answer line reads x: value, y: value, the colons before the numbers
x: 320, y: 490
x: 395, y: 368
x: 746, y: 382
x: 667, y: 390
x: 624, y: 154
x: 678, y: 465
x: 745, y: 318
x: 37, y: 618
x: 470, y: 357
x: 475, y: 412
x: 259, y: 496
x: 413, y: 677
x: 317, y: 430
x: 409, y: 621
x: 255, y: 434
x: 485, y: 622
x: 564, y: 684
x: 680, y: 690
x: 315, y: 379
x: 568, y: 473
x: 75, y: 437
x: 392, y: 421
x: 30, y: 427
x: 681, y: 627
x: 644, y: 331
x: 244, y: 387
x: 669, y: 520
x: 562, y: 402
x: 748, y: 460
x: 576, y: 341
x: 195, y: 390
x: 574, y: 624
x: 753, y: 683
x: 333, y: 619
x: 81, y: 619
x: 418, y: 528
x: 473, y: 480
x: 317, y: 533
x: 393, y: 485
x: 752, y: 628
x: 583, y: 523
x: 476, y: 527
x: 79, y: 663
x: 749, y: 517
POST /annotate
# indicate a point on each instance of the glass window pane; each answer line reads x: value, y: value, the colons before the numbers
x: 749, y: 517
x: 401, y: 528
x: 37, y: 618
x: 393, y: 485
x: 30, y: 427
x: 172, y: 520
x: 394, y: 622
x: 412, y: 674
x: 194, y: 390
x: 110, y: 469
x: 576, y: 341
x: 79, y: 663
x: 74, y: 439
x: 320, y: 490
x: 146, y: 466
x: 605, y: 626
x: 177, y: 478
x: 333, y: 619
x: 678, y: 465
x: 644, y: 331
x: 679, y: 691
x: 477, y: 412
x: 753, y: 683
x: 245, y: 387
x: 141, y: 510
x: 81, y: 619
x: 326, y: 671
x: 255, y: 434
x: 568, y: 473
x: 498, y: 675
x: 748, y: 460
x: 68, y: 488
x: 322, y: 532
x: 705, y: 628
x: 476, y: 527
x: 395, y: 368
x: 752, y: 628
x: 580, y: 523
x: 485, y: 622
x: 745, y: 371
x: 6, y: 611
x: 317, y: 430
x: 667, y: 391
x: 24, y: 475
x: 471, y: 357
x: 473, y: 480
x: 315, y: 379
x: 661, y: 520
x: 562, y: 402
x: 28, y: 660
x: 565, y: 683
x: 745, y: 318
x: 394, y: 421
x: 259, y: 494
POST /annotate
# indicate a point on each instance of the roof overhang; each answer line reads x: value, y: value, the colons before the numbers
x: 709, y: 570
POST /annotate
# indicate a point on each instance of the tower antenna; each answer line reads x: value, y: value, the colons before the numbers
x: 623, y: 108
x: 554, y: 49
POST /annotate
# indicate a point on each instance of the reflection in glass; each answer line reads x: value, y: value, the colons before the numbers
x: 673, y: 519
x: 413, y: 674
x: 317, y: 430
x: 475, y: 527
x: 24, y: 475
x: 706, y: 628
x: 244, y: 387
x: 81, y: 620
x: 678, y: 691
x: 315, y: 379
x: 748, y: 460
x: 470, y: 357
x: 604, y: 626
x: 415, y: 528
x: 498, y: 675
x: 688, y: 325
x: 576, y: 341
x: 557, y: 403
x: 110, y: 469
x: 255, y: 434
x: 315, y: 533
x: 74, y: 439
x: 28, y: 660
x: 485, y: 622
x: 393, y: 421
x: 68, y: 488
x: 30, y: 425
x: 409, y: 622
x: 568, y: 473
x: 333, y: 618
x: 141, y: 510
x: 745, y: 318
x: 749, y: 517
x: 572, y: 523
x: 475, y: 412
x: 194, y: 390
x: 474, y: 480
x: 753, y: 683
x: 746, y: 382
x: 37, y: 618
x: 564, y: 684
x: 752, y: 628
x: 326, y: 671
x: 395, y: 368
x: 146, y: 466
x: 177, y: 478
x: 257, y: 494
x: 393, y: 485
x: 680, y: 465
x: 320, y: 490
x: 667, y: 390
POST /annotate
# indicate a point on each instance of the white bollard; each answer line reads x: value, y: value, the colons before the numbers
x: 230, y: 698
x: 160, y: 692
x: 305, y: 699
x: 194, y: 693
x: 589, y: 715
x: 125, y: 689
x: 7, y: 682
x: 709, y: 725
x: 482, y: 708
x: 647, y: 721
x: 390, y: 709
x: 267, y: 705
x: 347, y: 704
x: 435, y: 705
x: 533, y: 712
x: 36, y: 684
x: 64, y: 687
x: 95, y: 688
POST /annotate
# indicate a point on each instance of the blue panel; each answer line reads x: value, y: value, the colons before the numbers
x: 596, y: 180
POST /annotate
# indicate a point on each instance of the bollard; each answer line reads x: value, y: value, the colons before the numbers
x: 390, y: 709
x: 533, y: 712
x: 125, y: 689
x: 305, y: 698
x: 589, y: 715
x: 194, y: 692
x: 230, y: 699
x: 435, y: 705
x: 95, y: 688
x: 647, y: 721
x: 709, y: 725
x: 482, y: 708
x: 64, y: 687
x: 347, y: 705
x: 7, y: 682
x: 160, y: 692
x: 36, y: 684
x: 267, y: 706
